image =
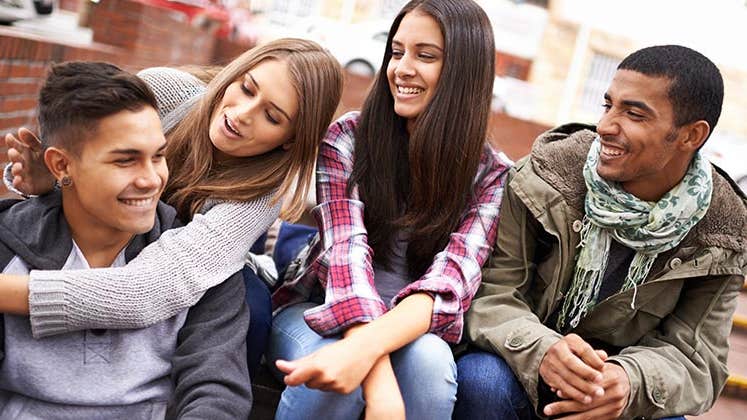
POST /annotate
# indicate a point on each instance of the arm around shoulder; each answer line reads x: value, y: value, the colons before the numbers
x: 167, y: 277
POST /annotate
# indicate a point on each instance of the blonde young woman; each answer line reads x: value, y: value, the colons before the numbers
x: 249, y: 139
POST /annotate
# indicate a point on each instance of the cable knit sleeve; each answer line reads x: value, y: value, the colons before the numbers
x: 168, y: 276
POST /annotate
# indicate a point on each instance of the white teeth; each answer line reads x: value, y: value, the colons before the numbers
x: 611, y: 152
x: 139, y: 203
x: 230, y: 127
x: 409, y: 90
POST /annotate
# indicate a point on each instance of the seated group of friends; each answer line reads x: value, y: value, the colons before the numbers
x: 594, y: 279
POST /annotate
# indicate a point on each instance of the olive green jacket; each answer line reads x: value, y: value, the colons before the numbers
x: 674, y: 342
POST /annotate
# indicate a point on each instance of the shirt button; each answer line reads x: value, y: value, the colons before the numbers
x: 516, y: 342
x: 658, y: 396
x: 577, y: 226
x: 676, y: 262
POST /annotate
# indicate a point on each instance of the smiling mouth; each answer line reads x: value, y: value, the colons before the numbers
x: 229, y: 126
x: 409, y: 90
x: 139, y: 202
x: 611, y: 152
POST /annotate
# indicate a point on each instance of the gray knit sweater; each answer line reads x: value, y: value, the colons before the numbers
x: 169, y: 275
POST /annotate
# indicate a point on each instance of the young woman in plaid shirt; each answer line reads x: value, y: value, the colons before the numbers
x: 374, y: 306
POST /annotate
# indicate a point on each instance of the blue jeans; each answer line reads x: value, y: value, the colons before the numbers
x: 292, y: 238
x: 425, y: 371
x: 488, y: 389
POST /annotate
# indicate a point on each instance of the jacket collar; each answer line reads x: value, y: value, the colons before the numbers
x: 558, y: 156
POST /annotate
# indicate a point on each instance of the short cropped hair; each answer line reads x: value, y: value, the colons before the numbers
x: 76, y: 95
x: 696, y: 89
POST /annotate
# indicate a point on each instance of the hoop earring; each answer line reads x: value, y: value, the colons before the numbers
x: 66, y: 181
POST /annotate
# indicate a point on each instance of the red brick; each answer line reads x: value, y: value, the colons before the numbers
x: 20, y: 69
x: 13, y: 122
x: 17, y: 104
x: 38, y: 69
x: 9, y: 87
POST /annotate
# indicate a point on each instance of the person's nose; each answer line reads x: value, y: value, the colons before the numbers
x: 404, y: 67
x: 608, y: 124
x: 245, y: 111
x: 149, y: 177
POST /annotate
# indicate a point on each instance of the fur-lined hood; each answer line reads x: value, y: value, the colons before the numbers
x: 558, y: 157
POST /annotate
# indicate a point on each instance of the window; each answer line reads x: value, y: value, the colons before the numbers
x: 601, y: 72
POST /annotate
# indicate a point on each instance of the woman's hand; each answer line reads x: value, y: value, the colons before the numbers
x: 339, y: 367
x: 342, y: 366
x: 25, y: 153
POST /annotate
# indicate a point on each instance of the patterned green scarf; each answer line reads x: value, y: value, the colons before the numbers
x: 648, y: 228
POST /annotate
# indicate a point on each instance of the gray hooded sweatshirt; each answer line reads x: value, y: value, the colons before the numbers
x: 192, y: 365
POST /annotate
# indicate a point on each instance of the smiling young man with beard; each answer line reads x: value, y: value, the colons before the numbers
x: 104, y: 145
x: 619, y: 258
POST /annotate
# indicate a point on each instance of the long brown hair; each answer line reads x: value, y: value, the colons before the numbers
x: 195, y: 173
x: 421, y: 182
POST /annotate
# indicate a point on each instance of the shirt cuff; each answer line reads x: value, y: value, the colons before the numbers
x: 47, y: 304
x: 336, y: 317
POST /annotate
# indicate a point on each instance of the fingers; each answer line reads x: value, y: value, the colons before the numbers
x: 563, y: 370
x: 564, y: 407
x: 303, y: 372
x: 585, y: 352
x: 285, y: 366
x: 300, y: 374
x: 29, y: 139
x: 602, y: 412
x: 568, y: 390
x: 12, y: 142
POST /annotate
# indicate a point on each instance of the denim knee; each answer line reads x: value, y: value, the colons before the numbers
x: 426, y: 373
x: 488, y: 389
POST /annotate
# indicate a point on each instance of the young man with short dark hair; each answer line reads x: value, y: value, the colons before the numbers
x: 104, y: 145
x: 620, y: 255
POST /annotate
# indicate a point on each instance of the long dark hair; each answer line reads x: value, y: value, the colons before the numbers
x: 421, y: 182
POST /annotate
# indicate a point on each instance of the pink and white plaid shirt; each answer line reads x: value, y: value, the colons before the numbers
x: 341, y: 261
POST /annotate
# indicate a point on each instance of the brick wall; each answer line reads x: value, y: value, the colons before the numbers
x: 153, y: 36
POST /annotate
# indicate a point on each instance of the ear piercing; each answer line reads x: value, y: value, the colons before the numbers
x: 66, y: 181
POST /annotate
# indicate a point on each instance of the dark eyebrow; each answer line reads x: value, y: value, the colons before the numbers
x: 271, y: 103
x: 633, y: 104
x: 133, y: 152
x: 420, y: 45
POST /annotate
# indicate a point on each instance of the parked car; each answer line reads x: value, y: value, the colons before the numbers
x: 359, y: 47
x: 730, y: 154
x: 13, y: 10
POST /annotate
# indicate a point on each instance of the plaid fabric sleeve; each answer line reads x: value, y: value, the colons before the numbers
x: 344, y: 265
x: 455, y: 274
